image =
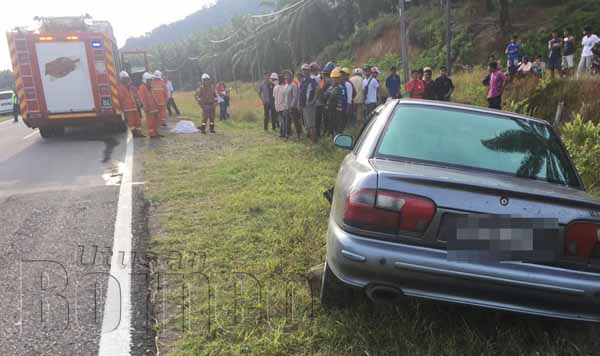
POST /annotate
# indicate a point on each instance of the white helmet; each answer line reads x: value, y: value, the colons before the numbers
x: 146, y: 77
x: 275, y: 76
x: 123, y: 74
x: 158, y: 74
x: 205, y: 76
x: 358, y: 71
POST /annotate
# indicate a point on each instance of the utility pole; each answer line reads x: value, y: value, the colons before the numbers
x: 449, y: 36
x: 404, y: 39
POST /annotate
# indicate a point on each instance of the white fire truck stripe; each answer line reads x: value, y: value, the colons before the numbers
x: 116, y: 322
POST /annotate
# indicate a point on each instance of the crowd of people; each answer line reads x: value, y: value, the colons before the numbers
x: 155, y: 97
x: 560, y: 62
x: 323, y: 101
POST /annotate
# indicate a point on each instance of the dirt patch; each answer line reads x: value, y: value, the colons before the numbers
x: 388, y: 42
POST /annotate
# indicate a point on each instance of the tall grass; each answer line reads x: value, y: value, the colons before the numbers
x: 252, y: 206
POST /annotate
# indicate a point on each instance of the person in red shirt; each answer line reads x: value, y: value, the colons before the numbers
x: 128, y: 105
x: 161, y: 94
x: 150, y: 105
x: 415, y: 87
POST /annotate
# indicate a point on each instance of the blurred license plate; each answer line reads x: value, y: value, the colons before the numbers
x: 501, y: 238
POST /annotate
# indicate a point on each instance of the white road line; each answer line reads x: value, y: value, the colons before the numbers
x: 116, y: 321
x: 6, y: 122
x: 31, y: 134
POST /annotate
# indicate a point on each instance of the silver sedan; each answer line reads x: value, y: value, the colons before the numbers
x: 466, y: 205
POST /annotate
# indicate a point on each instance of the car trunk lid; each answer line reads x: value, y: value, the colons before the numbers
x: 487, y: 193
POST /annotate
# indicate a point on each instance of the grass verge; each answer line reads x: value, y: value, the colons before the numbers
x: 244, y: 215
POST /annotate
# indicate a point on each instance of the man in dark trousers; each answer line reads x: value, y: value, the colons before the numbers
x: 393, y: 83
x: 265, y: 91
x: 171, y: 105
x: 443, y: 85
x: 495, y: 84
x: 15, y: 102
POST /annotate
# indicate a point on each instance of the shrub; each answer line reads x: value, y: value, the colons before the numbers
x: 249, y: 116
x: 582, y: 139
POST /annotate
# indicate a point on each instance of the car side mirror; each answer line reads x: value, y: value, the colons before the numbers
x: 344, y: 141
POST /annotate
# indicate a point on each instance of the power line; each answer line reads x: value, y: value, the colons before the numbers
x: 280, y: 11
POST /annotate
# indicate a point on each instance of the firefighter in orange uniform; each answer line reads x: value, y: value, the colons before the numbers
x: 128, y: 105
x: 206, y: 97
x: 159, y: 89
x: 150, y: 105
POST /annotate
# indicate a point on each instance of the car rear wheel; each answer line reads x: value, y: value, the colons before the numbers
x: 335, y: 294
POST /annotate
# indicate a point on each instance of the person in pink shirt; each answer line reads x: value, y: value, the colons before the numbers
x: 415, y: 87
x: 496, y: 85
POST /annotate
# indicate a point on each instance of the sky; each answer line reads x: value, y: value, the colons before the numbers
x: 129, y: 18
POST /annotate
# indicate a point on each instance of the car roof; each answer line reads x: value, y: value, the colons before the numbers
x: 471, y: 108
x: 6, y: 91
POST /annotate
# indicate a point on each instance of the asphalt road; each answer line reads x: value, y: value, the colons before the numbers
x: 58, y: 204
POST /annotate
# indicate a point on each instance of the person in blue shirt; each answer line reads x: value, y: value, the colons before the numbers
x: 512, y: 51
x: 393, y: 84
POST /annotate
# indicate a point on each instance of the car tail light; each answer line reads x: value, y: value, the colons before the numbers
x: 388, y: 212
x: 582, y: 239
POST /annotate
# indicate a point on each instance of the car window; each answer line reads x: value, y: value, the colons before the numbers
x: 481, y: 141
x: 4, y: 96
x: 363, y: 133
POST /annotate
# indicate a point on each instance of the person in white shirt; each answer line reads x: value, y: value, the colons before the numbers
x: 279, y: 90
x: 587, y: 56
x: 525, y: 66
x: 171, y: 105
x: 371, y: 88
x: 359, y: 100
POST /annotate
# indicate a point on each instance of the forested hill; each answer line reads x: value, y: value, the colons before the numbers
x: 219, y: 14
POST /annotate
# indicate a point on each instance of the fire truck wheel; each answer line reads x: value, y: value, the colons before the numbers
x: 46, y: 132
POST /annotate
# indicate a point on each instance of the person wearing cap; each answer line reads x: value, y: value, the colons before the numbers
x: 350, y: 95
x: 160, y: 92
x: 206, y: 97
x: 309, y: 88
x: 429, y: 93
x: 322, y: 120
x: 371, y: 91
x: 358, y: 108
x: 393, y: 83
x: 129, y: 106
x: 337, y: 102
x: 415, y: 87
x: 150, y: 105
x: 291, y: 102
x: 588, y: 42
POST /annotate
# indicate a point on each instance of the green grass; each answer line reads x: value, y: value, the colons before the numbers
x: 253, y: 205
x: 5, y: 117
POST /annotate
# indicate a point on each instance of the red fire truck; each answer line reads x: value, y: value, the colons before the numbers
x: 66, y: 74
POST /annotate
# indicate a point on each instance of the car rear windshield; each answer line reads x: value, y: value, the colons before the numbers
x: 480, y: 141
x: 4, y: 96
